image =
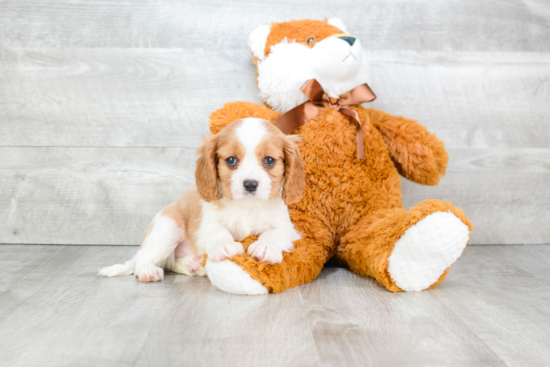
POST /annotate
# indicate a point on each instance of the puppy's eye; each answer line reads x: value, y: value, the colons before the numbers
x: 268, y: 161
x: 231, y: 161
x: 310, y: 40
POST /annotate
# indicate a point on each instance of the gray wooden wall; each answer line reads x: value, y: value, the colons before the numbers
x: 103, y: 103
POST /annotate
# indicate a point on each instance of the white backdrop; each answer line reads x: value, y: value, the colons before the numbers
x: 103, y: 103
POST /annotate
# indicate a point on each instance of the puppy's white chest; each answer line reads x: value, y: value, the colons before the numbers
x: 244, y: 221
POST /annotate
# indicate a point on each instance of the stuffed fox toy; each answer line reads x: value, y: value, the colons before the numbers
x: 313, y: 76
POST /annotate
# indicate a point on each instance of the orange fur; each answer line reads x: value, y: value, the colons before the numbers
x: 299, y: 31
x: 237, y: 110
x: 367, y: 246
x: 416, y: 153
x: 350, y: 208
x: 186, y: 212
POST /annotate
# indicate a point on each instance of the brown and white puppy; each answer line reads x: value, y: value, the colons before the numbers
x: 246, y: 174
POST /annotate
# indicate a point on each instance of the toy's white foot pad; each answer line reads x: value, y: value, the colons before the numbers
x: 426, y: 250
x: 231, y: 278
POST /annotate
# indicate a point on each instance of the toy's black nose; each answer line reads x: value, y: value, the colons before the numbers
x: 250, y: 185
x: 348, y: 39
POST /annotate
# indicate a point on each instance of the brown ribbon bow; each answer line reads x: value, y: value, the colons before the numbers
x: 318, y: 99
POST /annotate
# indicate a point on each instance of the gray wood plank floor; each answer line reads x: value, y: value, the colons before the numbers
x: 493, y: 310
x: 103, y: 102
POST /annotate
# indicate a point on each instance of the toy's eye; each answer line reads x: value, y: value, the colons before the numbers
x: 269, y: 161
x: 310, y: 40
x: 231, y: 161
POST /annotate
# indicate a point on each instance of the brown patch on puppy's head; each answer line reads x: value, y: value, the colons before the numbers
x: 213, y: 174
x: 250, y: 159
x: 287, y: 172
x: 206, y: 174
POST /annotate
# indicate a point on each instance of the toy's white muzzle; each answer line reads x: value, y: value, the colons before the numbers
x: 336, y: 58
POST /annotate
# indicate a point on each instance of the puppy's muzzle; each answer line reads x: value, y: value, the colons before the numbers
x: 250, y: 185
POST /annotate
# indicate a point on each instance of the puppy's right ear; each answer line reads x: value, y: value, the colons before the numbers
x: 295, y: 178
x: 206, y: 174
x: 257, y: 41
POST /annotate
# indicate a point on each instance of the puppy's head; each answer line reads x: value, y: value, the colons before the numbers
x: 250, y: 159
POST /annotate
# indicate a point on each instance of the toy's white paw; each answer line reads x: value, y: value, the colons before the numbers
x: 231, y: 278
x: 226, y: 251
x: 148, y: 273
x: 265, y: 252
x: 426, y: 250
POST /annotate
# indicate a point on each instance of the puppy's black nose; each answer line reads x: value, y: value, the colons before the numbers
x: 250, y: 185
x: 348, y: 39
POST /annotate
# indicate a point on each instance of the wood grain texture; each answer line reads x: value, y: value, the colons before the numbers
x: 25, y: 267
x: 62, y: 195
x: 355, y: 322
x: 202, y: 324
x: 102, y: 104
x: 69, y: 314
x: 506, y: 306
x: 504, y: 192
x: 88, y: 195
x: 163, y: 97
x: 469, y: 99
x: 117, y: 98
x: 464, y: 25
x: 493, y: 310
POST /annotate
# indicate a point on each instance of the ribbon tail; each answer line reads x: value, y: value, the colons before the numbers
x: 360, y: 135
x: 291, y: 120
x: 360, y: 94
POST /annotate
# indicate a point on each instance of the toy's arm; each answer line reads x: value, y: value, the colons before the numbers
x: 237, y: 110
x: 416, y: 153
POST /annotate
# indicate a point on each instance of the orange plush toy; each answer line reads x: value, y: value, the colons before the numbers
x: 313, y: 75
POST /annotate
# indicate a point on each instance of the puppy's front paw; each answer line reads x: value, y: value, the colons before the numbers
x: 148, y: 273
x: 226, y: 251
x: 265, y: 252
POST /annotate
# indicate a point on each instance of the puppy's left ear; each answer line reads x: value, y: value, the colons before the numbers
x: 206, y: 175
x: 295, y: 177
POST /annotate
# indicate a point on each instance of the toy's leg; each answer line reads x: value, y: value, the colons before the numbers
x: 407, y: 250
x: 244, y: 275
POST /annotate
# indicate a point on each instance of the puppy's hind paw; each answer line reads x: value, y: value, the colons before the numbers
x: 149, y: 273
x: 189, y: 265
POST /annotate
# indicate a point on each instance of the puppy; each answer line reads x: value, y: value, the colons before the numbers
x: 246, y: 174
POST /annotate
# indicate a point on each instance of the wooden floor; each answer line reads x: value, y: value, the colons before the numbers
x: 493, y: 310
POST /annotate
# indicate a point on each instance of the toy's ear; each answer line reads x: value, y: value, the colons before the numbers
x: 337, y: 22
x: 257, y: 41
